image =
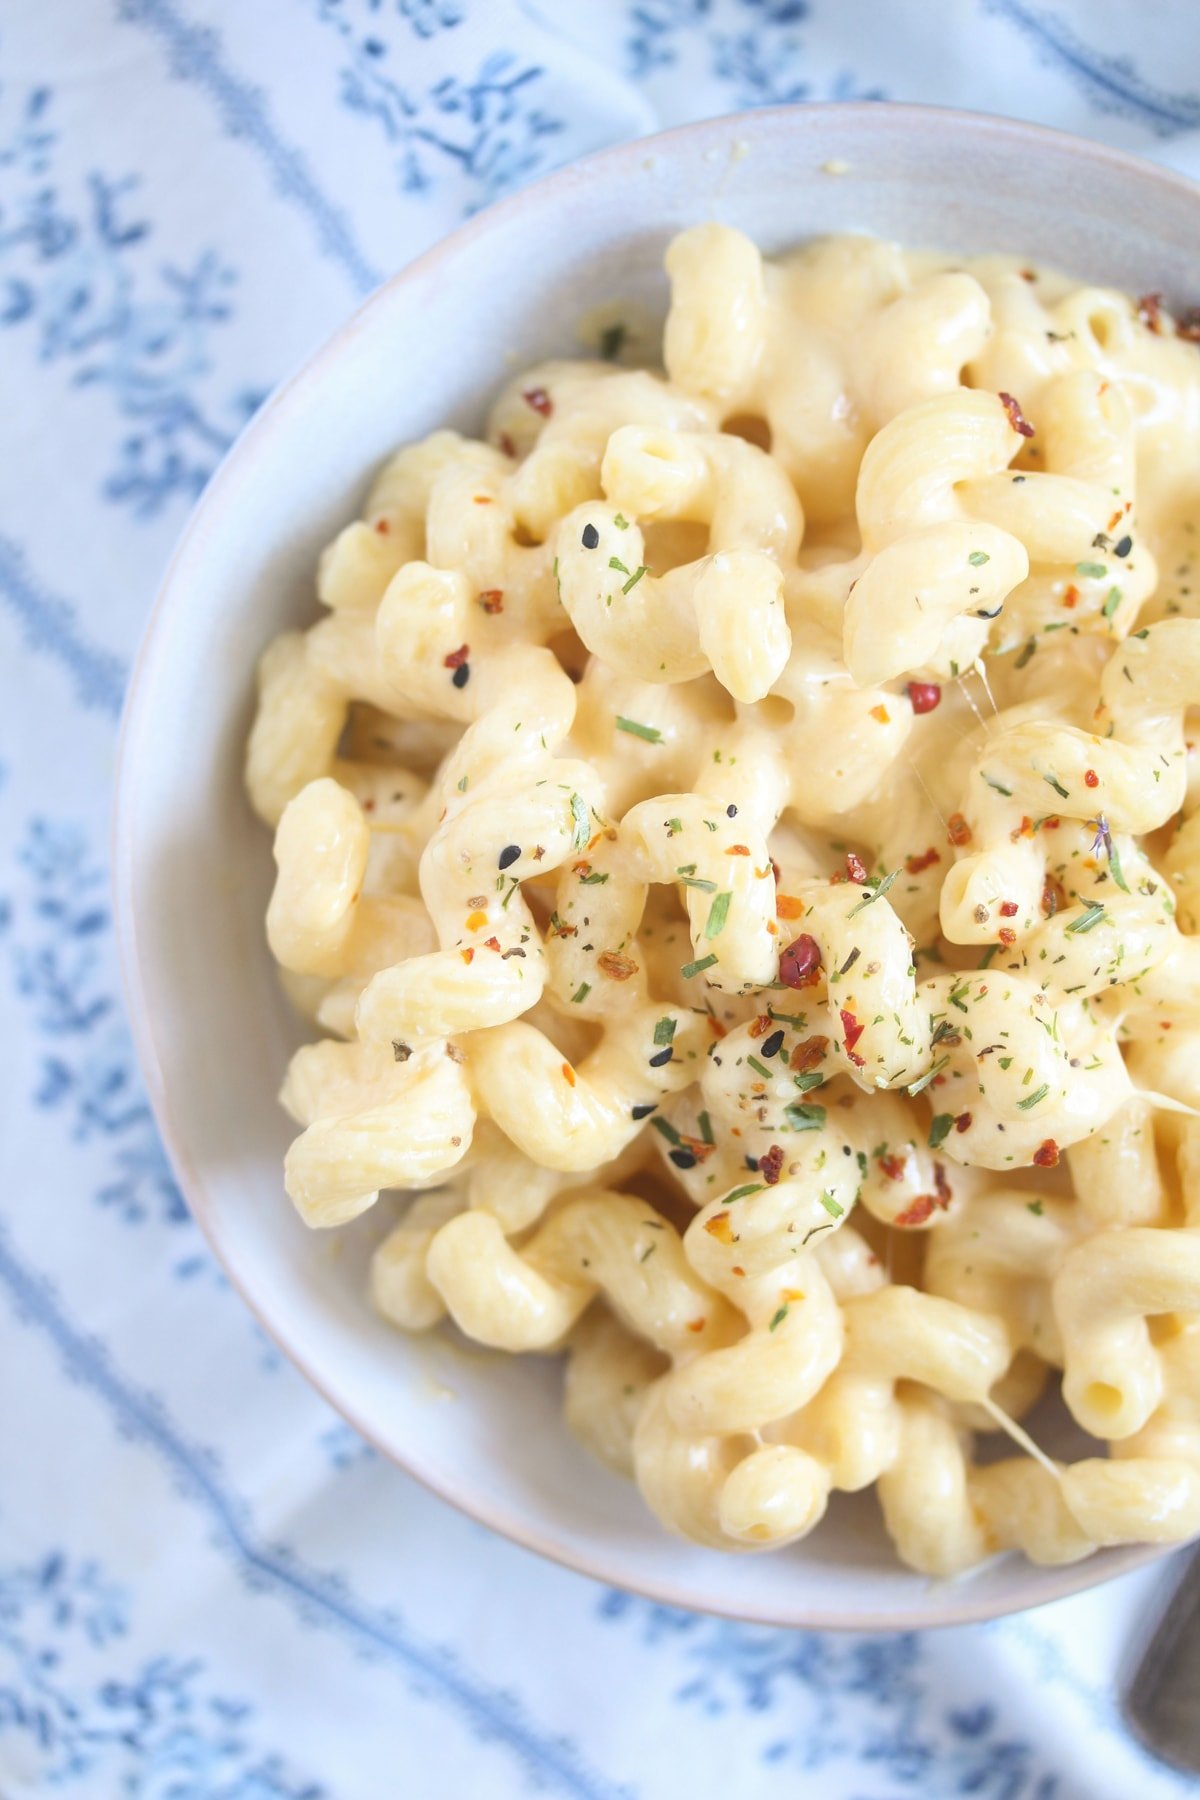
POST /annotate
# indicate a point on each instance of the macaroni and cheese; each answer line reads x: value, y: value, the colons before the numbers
x: 737, y: 830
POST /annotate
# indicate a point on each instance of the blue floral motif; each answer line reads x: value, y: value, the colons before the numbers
x: 58, y: 944
x: 1111, y: 83
x: 749, y: 46
x: 344, y: 1447
x: 487, y: 129
x: 861, y: 1699
x: 74, y: 274
x: 158, y: 1727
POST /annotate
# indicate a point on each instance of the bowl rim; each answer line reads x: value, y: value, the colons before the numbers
x: 1032, y: 1585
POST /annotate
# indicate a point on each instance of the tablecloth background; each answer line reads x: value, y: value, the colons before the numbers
x: 210, y: 1589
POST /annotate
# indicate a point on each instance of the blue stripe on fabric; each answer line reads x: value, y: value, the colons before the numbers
x: 197, y: 54
x: 1112, y: 81
x: 51, y: 628
x: 492, y: 1714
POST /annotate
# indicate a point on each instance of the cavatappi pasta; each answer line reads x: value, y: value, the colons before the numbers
x: 737, y: 829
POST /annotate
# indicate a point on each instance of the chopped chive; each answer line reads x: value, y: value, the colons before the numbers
x: 582, y: 831
x: 706, y: 1130
x: 664, y: 1031
x: 696, y: 968
x: 759, y: 1068
x: 614, y: 562
x: 803, y: 1116
x: 998, y: 786
x: 813, y: 1079
x: 650, y: 733
x: 581, y: 993
x: 666, y: 1130
x: 780, y: 1316
x: 1086, y: 920
x: 739, y: 1193
x: 1097, y: 571
x: 1062, y: 792
x: 621, y: 522
x: 878, y: 889
x: 977, y: 558
x: 831, y: 1205
x: 1032, y: 1099
x: 612, y: 341
x: 592, y: 880
x: 718, y: 912
x: 1115, y: 869
x: 1111, y: 603
x: 694, y: 881
x: 919, y: 1086
x: 642, y: 569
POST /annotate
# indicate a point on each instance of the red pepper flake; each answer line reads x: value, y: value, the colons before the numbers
x: 506, y: 444
x: 853, y: 1029
x: 776, y: 871
x: 944, y: 1195
x: 1023, y: 830
x: 482, y: 499
x: 1016, y: 417
x: 1091, y: 779
x: 1028, y: 274
x: 1007, y: 937
x: 697, y: 1324
x: 760, y: 1026
x: 382, y: 527
x: 467, y: 955
x: 1046, y: 1154
x: 855, y: 868
x: 787, y: 906
x: 737, y: 850
x: 568, y: 1074
x: 923, y: 696
x: 557, y: 928
x: 618, y: 966
x: 491, y: 943
x: 770, y: 1165
x: 808, y: 1055
x: 957, y: 830
x: 1054, y: 897
x: 882, y: 714
x: 1009, y: 909
x: 963, y: 1122
x: 539, y: 400
x: 1149, y: 312
x: 456, y: 658
x: 893, y: 1166
x: 916, y: 864
x: 1187, y: 325
x: 916, y: 1212
x: 1051, y: 822
x: 1071, y: 593
x: 800, y: 962
x: 720, y: 1227
x: 492, y: 600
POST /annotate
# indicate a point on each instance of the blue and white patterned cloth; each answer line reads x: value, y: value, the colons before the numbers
x: 210, y: 1589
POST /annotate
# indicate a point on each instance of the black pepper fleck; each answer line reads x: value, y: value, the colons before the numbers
x: 461, y: 675
x: 683, y: 1159
x: 591, y: 537
x: 661, y: 1058
x: 643, y: 1112
x: 773, y: 1045
x: 509, y: 855
x: 1123, y: 546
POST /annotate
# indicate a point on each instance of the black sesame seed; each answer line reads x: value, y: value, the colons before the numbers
x: 509, y: 855
x: 982, y: 612
x: 1123, y: 546
x: 643, y: 1112
x: 752, y: 1163
x: 683, y: 1159
x: 591, y: 537
x: 461, y: 675
x: 661, y: 1058
x: 731, y: 812
x: 773, y: 1045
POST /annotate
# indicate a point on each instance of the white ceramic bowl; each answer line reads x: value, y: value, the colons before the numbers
x: 193, y: 867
